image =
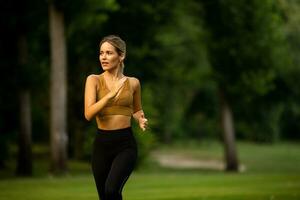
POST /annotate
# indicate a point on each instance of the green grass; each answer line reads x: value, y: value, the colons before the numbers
x: 272, y: 173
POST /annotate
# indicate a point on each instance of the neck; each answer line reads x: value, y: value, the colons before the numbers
x: 114, y: 73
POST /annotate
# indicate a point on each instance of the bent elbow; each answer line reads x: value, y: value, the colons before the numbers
x: 87, y: 117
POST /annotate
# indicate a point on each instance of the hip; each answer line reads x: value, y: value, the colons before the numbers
x: 115, y: 139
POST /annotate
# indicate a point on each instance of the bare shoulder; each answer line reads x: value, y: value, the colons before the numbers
x: 134, y: 82
x: 92, y: 79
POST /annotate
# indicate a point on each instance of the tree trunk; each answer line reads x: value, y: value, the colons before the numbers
x: 24, y: 160
x: 227, y: 125
x: 59, y: 138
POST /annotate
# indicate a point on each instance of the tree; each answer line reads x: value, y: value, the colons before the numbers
x: 58, y: 84
x: 24, y: 158
x: 24, y: 161
x: 244, y: 46
x: 20, y: 77
x: 288, y: 81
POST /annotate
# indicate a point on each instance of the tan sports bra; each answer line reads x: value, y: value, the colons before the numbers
x: 123, y: 105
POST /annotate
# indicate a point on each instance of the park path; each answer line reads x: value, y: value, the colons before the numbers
x: 181, y: 161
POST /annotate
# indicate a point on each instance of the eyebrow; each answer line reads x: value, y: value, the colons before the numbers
x: 106, y: 51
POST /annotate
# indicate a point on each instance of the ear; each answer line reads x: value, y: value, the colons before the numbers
x: 122, y: 57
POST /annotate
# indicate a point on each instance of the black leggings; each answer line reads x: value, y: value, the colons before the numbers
x: 113, y: 159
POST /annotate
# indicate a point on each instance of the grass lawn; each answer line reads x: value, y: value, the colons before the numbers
x: 271, y: 172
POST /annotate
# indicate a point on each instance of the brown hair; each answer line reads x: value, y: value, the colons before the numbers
x: 118, y: 43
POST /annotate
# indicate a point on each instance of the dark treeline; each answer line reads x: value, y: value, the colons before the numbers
x: 220, y: 69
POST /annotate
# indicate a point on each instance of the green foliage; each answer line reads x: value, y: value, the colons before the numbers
x: 290, y: 74
x: 181, y: 55
x: 184, y: 69
x: 89, y: 136
x: 244, y: 43
x: 202, y: 114
x: 247, y: 52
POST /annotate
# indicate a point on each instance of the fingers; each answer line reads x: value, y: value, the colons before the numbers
x: 143, y: 124
x: 119, y: 86
x: 117, y: 95
x: 115, y: 91
x: 145, y: 121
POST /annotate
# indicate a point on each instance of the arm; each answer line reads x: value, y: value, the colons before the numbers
x: 91, y: 105
x: 138, y: 113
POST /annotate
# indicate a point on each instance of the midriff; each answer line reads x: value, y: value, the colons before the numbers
x: 113, y: 122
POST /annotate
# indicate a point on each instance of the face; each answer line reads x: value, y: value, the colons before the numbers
x: 109, y: 58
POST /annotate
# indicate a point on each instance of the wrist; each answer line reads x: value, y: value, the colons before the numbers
x: 108, y: 97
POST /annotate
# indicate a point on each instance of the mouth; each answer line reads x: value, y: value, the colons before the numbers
x: 104, y: 63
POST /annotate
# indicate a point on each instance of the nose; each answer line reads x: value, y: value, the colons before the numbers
x: 103, y: 56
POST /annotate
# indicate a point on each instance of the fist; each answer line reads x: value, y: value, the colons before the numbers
x: 143, y: 122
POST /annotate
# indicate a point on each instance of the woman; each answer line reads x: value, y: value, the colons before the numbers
x: 113, y: 98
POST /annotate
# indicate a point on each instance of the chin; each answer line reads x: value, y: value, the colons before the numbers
x: 105, y: 68
x: 108, y: 68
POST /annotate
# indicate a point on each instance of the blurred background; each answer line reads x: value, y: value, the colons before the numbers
x: 220, y: 88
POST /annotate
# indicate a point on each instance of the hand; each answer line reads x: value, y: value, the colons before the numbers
x: 116, y: 88
x: 143, y: 122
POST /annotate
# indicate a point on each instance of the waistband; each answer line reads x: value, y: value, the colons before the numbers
x: 114, y: 134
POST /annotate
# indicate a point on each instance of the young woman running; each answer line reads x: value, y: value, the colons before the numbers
x: 113, y: 99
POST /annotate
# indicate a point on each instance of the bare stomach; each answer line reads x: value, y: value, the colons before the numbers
x: 113, y: 122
